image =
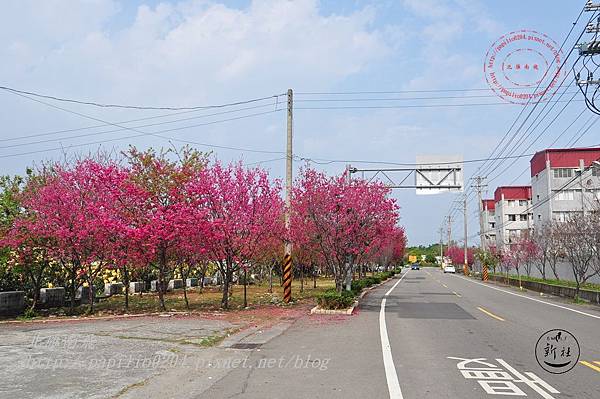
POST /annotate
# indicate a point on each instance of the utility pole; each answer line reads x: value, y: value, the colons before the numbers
x: 441, y: 246
x: 287, y: 258
x: 479, y: 186
x: 350, y: 269
x: 449, y: 231
x: 466, y: 265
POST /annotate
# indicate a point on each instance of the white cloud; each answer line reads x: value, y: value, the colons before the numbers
x: 199, y: 48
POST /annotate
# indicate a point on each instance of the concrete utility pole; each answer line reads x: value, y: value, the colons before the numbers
x: 581, y: 171
x: 441, y: 246
x: 449, y: 231
x: 466, y: 265
x: 287, y: 258
x: 479, y: 186
x: 350, y: 273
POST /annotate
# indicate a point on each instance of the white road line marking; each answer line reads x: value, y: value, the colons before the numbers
x: 444, y: 285
x: 532, y: 299
x: 454, y: 292
x: 388, y: 361
x: 397, y: 282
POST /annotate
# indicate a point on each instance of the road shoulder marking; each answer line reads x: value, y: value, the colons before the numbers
x: 531, y: 299
x: 490, y: 314
x: 388, y: 361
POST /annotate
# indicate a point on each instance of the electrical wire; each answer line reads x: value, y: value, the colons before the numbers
x: 138, y: 107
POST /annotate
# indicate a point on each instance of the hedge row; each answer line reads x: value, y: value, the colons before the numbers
x: 331, y: 299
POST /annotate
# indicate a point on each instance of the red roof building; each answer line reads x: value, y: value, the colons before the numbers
x: 512, y: 193
x: 563, y: 158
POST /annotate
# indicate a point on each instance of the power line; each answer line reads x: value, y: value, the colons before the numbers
x: 416, y: 105
x: 549, y: 197
x: 343, y: 93
x: 137, y: 120
x: 138, y: 107
x: 141, y: 133
x: 396, y: 98
x: 149, y: 125
x: 480, y: 168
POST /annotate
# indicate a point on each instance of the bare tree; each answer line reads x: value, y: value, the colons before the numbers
x: 548, y: 249
x: 578, y: 241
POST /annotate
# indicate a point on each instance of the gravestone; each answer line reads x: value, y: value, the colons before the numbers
x: 113, y: 289
x: 136, y: 286
x: 52, y: 297
x: 175, y: 284
x: 191, y: 282
x: 83, y: 295
x: 12, y: 303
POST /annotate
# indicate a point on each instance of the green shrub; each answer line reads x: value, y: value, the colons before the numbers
x: 358, y: 285
x: 331, y: 299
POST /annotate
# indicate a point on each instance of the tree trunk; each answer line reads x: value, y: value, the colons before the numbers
x: 245, y: 285
x: 73, y: 289
x: 225, y: 298
x: 91, y: 292
x: 161, y: 278
x: 301, y: 278
x: 271, y: 279
x: 314, y: 270
x: 126, y: 281
x: 185, y: 298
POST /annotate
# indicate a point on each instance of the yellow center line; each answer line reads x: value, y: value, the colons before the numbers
x: 490, y: 314
x: 597, y: 363
x: 590, y: 365
x: 454, y: 292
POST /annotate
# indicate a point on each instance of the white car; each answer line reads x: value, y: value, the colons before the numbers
x: 449, y: 269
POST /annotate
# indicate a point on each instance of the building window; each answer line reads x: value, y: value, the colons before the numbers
x: 565, y: 195
x: 512, y: 203
x: 539, y: 217
x: 595, y: 171
x: 563, y: 172
x: 512, y: 218
x: 562, y: 216
x: 492, y: 225
x: 523, y: 202
x: 523, y: 218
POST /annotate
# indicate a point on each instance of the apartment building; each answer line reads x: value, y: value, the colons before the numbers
x: 488, y: 215
x: 564, y: 182
x: 513, y: 217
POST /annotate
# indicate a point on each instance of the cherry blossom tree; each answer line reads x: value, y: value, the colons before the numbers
x: 344, y: 218
x: 163, y: 220
x: 457, y: 255
x: 243, y: 209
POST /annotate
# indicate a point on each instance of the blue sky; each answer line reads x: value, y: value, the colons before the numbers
x: 181, y: 53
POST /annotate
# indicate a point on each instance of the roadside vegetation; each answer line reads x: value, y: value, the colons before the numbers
x: 331, y: 299
x: 106, y: 227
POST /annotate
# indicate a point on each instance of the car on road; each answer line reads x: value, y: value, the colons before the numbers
x: 415, y: 266
x: 449, y: 269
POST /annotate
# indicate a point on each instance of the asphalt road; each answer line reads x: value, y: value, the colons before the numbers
x: 406, y: 349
